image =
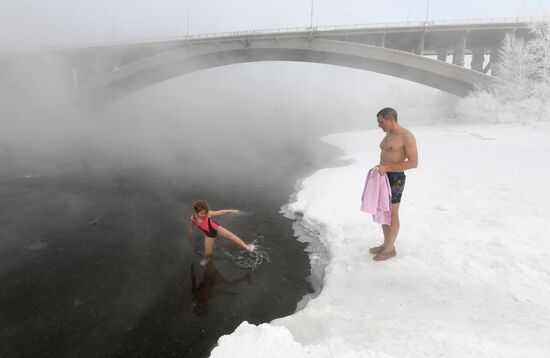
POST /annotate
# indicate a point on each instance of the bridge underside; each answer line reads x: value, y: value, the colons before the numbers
x: 125, y: 80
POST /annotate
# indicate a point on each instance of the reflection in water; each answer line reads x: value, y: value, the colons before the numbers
x: 212, y: 284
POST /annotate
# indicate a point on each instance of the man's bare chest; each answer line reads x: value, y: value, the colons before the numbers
x: 391, y: 143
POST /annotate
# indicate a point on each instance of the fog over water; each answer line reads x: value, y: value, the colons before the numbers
x: 226, y: 116
x: 218, y: 127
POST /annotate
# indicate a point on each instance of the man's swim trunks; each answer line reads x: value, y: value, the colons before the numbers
x: 397, y: 184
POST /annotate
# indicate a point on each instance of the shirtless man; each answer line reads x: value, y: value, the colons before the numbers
x: 398, y: 154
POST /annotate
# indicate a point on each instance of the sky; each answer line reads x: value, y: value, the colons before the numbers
x: 31, y: 24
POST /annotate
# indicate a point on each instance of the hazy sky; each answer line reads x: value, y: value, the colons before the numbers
x: 37, y: 23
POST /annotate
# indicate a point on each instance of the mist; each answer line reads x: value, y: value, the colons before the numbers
x: 221, y: 120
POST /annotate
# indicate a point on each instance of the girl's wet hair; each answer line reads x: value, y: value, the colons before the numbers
x: 201, y: 205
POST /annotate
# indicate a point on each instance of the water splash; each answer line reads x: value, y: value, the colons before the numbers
x: 243, y: 259
x: 250, y: 260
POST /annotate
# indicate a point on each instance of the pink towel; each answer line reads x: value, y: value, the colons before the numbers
x: 377, y: 197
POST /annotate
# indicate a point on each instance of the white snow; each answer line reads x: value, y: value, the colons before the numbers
x: 472, y: 273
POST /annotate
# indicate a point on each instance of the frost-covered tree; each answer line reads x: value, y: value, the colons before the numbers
x: 515, y: 64
x: 516, y: 67
x: 523, y: 95
x: 539, y: 52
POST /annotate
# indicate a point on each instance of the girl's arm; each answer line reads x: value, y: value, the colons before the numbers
x: 191, y: 225
x: 223, y: 212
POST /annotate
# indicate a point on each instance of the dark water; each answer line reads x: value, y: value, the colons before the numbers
x: 100, y: 264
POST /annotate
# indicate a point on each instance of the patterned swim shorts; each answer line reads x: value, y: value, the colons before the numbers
x: 397, y: 184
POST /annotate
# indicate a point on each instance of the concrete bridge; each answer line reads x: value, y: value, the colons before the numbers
x: 105, y: 72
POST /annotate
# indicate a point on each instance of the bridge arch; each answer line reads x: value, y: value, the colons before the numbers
x: 135, y: 76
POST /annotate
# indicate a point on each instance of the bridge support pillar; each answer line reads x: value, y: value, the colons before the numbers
x: 116, y: 60
x: 75, y: 79
x: 74, y: 71
x: 459, y: 47
x: 478, y: 58
x: 420, y: 47
x: 442, y: 54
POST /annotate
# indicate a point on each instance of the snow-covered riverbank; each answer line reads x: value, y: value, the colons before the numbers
x: 472, y: 274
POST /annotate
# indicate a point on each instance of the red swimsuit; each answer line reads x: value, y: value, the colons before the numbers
x: 208, y: 226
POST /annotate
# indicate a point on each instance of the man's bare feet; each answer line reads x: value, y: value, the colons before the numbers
x: 376, y: 250
x: 384, y: 255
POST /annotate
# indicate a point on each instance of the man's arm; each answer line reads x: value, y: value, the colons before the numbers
x: 223, y: 212
x: 411, y: 155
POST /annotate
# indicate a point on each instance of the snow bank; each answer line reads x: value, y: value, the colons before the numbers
x: 472, y: 272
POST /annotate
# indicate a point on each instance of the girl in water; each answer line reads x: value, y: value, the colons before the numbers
x: 202, y: 217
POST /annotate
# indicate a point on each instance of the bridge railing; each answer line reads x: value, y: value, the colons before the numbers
x: 323, y: 28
